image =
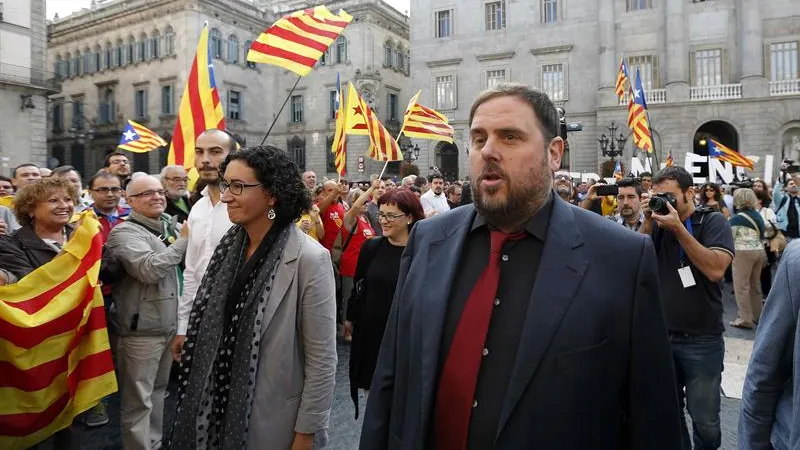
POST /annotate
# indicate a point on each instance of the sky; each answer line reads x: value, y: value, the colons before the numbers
x: 65, y: 7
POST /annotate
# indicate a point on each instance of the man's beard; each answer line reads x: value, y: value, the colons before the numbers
x: 627, y: 213
x: 523, y: 198
x: 563, y: 191
x: 437, y: 191
x: 209, y: 174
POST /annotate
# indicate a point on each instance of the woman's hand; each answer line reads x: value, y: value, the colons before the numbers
x: 303, y: 441
x: 306, y: 225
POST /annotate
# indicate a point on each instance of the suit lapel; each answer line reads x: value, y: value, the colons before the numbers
x: 560, y: 272
x: 444, y: 251
x: 284, y: 276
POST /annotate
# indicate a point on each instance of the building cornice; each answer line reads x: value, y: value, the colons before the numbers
x: 444, y: 62
x: 551, y: 50
x: 495, y: 56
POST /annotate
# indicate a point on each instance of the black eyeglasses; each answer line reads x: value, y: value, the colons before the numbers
x: 236, y: 187
x: 150, y: 193
x: 563, y: 177
x: 106, y: 190
x: 178, y: 179
x: 389, y: 217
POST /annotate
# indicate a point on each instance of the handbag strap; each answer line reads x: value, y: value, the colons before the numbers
x: 750, y: 219
x: 350, y: 236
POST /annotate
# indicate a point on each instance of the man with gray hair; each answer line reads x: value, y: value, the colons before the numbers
x: 175, y: 181
x: 408, y: 182
x: 150, y: 252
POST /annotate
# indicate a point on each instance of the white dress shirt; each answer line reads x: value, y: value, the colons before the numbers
x: 207, y: 226
x: 432, y: 202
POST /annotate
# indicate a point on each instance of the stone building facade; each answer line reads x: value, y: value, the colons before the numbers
x: 25, y: 83
x: 130, y: 60
x: 723, y: 68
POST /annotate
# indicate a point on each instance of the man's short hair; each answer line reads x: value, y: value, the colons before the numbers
x: 233, y: 141
x: 5, y: 178
x: 63, y: 170
x: 14, y: 172
x: 645, y: 174
x: 420, y: 182
x: 102, y: 174
x: 168, y: 168
x: 630, y: 182
x: 539, y: 102
x: 677, y: 174
x: 107, y: 161
x: 434, y: 176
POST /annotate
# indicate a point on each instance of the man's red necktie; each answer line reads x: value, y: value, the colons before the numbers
x: 456, y: 394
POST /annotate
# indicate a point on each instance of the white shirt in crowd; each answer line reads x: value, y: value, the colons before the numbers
x: 432, y: 202
x: 207, y: 226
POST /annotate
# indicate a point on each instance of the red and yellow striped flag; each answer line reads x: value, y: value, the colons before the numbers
x: 139, y: 139
x: 382, y: 146
x: 623, y: 80
x: 297, y: 41
x: 55, y: 360
x: 339, y: 145
x: 200, y: 108
x: 356, y: 122
x: 425, y: 123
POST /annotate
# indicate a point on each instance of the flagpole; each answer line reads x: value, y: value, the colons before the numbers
x: 291, y: 91
x: 397, y: 139
x: 654, y: 158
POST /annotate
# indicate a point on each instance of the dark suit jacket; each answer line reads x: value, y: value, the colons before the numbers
x: 593, y: 369
x: 173, y: 210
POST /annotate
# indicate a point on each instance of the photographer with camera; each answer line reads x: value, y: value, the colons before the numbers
x: 601, y: 198
x: 786, y: 202
x: 694, y: 247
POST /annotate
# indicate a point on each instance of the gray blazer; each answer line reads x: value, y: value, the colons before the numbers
x: 297, y: 363
x: 770, y: 417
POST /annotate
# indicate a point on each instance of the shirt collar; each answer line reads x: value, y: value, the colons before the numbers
x: 536, y: 225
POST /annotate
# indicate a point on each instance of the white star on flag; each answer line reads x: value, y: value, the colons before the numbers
x: 637, y: 93
x: 129, y: 135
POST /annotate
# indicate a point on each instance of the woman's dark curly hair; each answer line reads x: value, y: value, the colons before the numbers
x: 717, y: 193
x: 279, y: 176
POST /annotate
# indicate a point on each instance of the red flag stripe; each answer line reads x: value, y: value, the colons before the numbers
x: 27, y: 338
x: 178, y: 142
x: 35, y: 304
x: 196, y: 104
x: 412, y: 129
x: 43, y: 375
x: 281, y: 53
x: 296, y: 38
x: 296, y: 21
x: 431, y: 125
x: 24, y: 424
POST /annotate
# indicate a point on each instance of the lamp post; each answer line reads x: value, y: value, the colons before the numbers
x: 614, y: 145
x: 412, y: 154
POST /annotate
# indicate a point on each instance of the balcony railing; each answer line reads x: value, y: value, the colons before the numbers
x: 26, y: 76
x: 654, y: 96
x: 719, y: 92
x: 784, y: 87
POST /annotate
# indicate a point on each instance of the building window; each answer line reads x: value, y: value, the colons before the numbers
x: 131, y: 50
x: 445, y: 92
x: 400, y: 60
x: 96, y: 63
x: 783, y: 64
x: 341, y: 50
x: 648, y: 70
x: 636, y: 5
x: 297, y: 152
x: 141, y: 49
x: 297, y: 109
x: 233, y: 49
x: 234, y: 105
x: 330, y: 157
x: 708, y: 67
x: 388, y: 54
x: 444, y: 27
x: 58, y: 117
x: 332, y: 104
x: 75, y: 64
x: 169, y: 41
x: 140, y: 104
x: 391, y: 110
x: 215, y: 41
x: 554, y: 81
x: 495, y: 77
x: 549, y: 11
x: 167, y: 100
x: 155, y: 47
x: 86, y: 61
x: 119, y: 57
x: 77, y: 114
x: 249, y: 64
x: 496, y: 15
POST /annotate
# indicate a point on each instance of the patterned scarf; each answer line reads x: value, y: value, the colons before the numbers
x: 219, y: 364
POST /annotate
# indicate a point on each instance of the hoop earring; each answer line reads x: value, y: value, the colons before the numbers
x: 271, y: 214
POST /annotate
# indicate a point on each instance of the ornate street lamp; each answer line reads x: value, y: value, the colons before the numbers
x: 412, y: 153
x: 612, y: 146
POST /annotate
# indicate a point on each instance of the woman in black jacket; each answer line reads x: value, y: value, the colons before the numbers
x: 371, y: 300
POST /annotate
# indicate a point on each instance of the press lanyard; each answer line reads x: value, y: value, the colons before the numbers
x: 688, y: 225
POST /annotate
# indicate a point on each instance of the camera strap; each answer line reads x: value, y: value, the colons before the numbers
x: 688, y: 225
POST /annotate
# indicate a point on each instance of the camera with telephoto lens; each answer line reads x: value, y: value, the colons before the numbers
x: 658, y: 203
x: 790, y: 167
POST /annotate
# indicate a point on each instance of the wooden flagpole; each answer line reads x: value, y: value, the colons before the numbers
x: 281, y: 110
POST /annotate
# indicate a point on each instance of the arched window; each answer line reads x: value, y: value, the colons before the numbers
x: 169, y: 41
x: 233, y: 49
x: 388, y: 54
x: 119, y: 54
x: 341, y: 50
x: 141, y: 47
x: 86, y: 60
x: 57, y: 67
x: 130, y: 50
x: 97, y: 58
x: 400, y: 59
x: 215, y: 41
x: 108, y: 57
x: 247, y: 45
x: 155, y: 45
x: 76, y: 64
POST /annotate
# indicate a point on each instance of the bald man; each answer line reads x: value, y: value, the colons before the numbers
x: 331, y: 209
x: 310, y: 179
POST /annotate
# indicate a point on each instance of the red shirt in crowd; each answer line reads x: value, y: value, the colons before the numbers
x: 364, y: 231
x: 332, y: 220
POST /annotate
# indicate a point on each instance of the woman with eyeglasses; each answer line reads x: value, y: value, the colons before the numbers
x: 375, y: 279
x: 711, y: 197
x: 258, y: 365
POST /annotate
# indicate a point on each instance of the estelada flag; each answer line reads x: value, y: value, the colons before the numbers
x: 356, y: 122
x: 422, y: 122
x: 138, y: 138
x: 297, y: 41
x: 55, y: 360
x: 339, y: 144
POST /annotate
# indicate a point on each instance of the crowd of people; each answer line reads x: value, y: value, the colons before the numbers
x: 480, y: 314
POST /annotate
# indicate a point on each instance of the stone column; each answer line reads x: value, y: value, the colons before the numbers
x: 677, y: 51
x: 608, y: 64
x: 751, y: 49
